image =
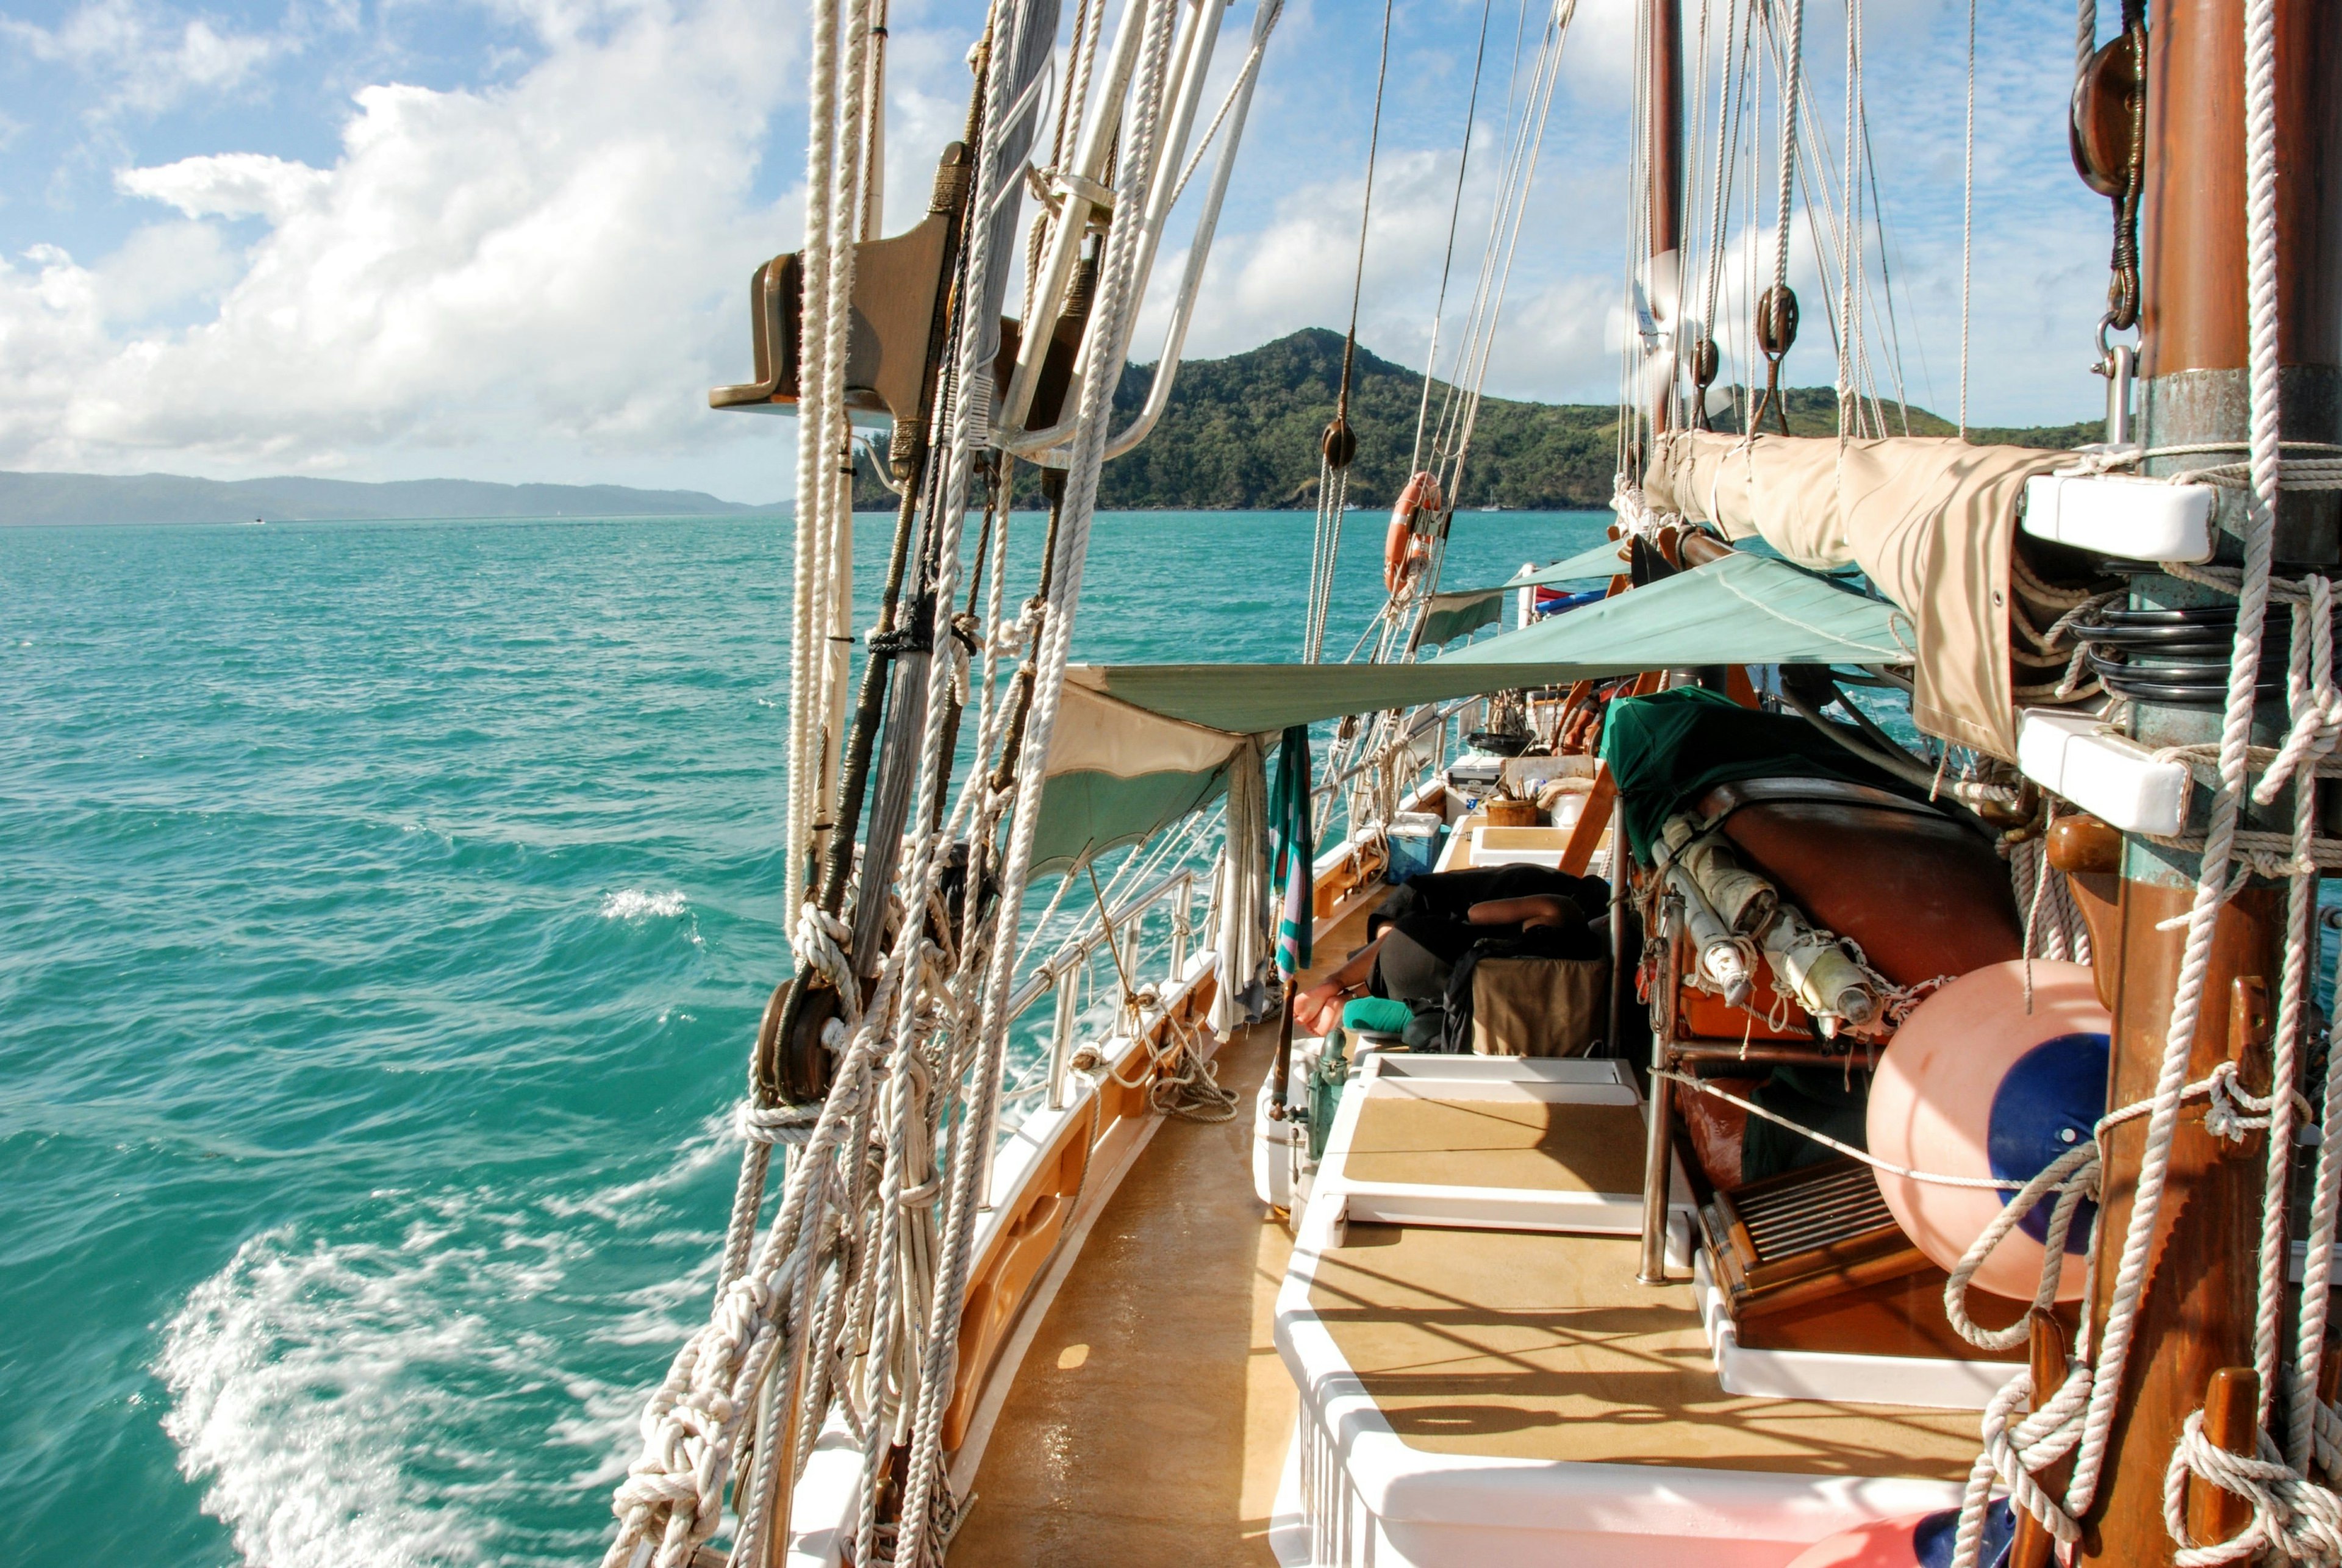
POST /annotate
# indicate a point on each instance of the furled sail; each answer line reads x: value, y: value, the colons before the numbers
x: 1929, y: 520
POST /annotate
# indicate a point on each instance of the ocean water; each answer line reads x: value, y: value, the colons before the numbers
x: 385, y: 912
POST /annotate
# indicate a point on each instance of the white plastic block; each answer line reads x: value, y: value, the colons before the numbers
x: 2113, y: 514
x: 2109, y: 777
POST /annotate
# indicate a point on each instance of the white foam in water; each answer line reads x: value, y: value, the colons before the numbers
x: 295, y: 1396
x: 636, y: 903
x: 337, y: 1399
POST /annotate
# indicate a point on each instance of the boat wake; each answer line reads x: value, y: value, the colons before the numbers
x: 439, y: 1380
x: 636, y: 903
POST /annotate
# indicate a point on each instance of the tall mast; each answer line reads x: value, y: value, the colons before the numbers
x: 2197, y: 1313
x: 1663, y: 96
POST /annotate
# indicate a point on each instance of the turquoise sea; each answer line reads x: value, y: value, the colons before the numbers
x: 385, y: 910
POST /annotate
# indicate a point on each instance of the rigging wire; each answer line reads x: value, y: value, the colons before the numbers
x: 1337, y: 447
x: 1967, y: 218
x: 1454, y: 215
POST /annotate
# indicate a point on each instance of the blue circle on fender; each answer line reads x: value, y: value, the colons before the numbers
x: 2047, y: 1103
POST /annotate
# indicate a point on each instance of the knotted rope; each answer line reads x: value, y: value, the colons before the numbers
x: 2294, y: 1518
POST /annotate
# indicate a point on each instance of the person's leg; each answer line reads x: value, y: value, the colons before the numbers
x: 1419, y: 953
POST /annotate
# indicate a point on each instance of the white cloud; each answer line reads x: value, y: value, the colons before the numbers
x: 553, y: 259
x: 166, y: 264
x: 230, y: 185
x: 149, y: 58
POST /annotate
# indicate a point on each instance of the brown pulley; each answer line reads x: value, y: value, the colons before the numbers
x: 1777, y: 320
x: 1776, y: 333
x: 1705, y: 363
x: 1340, y: 444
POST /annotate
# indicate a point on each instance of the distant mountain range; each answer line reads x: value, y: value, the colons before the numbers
x: 1242, y: 433
x: 1239, y: 433
x: 28, y: 498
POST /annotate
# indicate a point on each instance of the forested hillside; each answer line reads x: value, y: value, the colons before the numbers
x: 1242, y: 433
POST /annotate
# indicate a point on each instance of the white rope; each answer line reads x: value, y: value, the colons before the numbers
x: 2073, y: 1176
x: 1333, y: 497
x: 2012, y: 1454
x: 1990, y: 1183
x: 1792, y: 76
x: 2293, y: 1519
x: 1114, y: 301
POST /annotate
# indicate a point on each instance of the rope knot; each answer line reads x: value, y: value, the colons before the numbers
x: 2293, y: 1519
x: 775, y: 1124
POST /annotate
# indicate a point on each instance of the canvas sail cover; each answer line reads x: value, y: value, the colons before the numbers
x: 1928, y: 519
x: 1138, y: 746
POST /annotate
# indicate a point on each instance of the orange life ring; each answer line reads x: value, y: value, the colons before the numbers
x: 1407, y: 544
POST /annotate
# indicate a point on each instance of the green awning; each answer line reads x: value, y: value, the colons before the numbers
x: 1463, y: 611
x: 1126, y: 727
x: 1608, y: 559
x: 1452, y: 615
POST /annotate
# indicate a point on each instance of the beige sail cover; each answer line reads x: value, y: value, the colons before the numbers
x: 1928, y: 519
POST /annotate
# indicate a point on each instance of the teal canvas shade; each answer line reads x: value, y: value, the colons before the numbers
x: 1463, y: 611
x: 1452, y: 615
x: 1140, y: 745
x: 1608, y: 559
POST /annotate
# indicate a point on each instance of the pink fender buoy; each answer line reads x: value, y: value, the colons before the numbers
x: 1975, y: 1085
x: 1920, y: 1540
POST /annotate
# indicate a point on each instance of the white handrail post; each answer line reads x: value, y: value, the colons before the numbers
x: 1061, y: 1038
x: 1182, y: 925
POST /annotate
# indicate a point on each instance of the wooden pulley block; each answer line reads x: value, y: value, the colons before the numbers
x: 2105, y: 107
x: 1777, y: 320
x: 1705, y: 363
x: 791, y: 1062
x: 1340, y: 444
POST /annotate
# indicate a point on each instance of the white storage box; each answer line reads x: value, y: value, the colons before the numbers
x: 1518, y: 846
x: 2113, y: 515
x: 2108, y: 775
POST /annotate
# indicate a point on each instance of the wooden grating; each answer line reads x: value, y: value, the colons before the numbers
x: 1840, y: 1204
x: 1794, y: 1239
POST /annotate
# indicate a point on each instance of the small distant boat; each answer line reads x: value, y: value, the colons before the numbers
x: 1491, y: 507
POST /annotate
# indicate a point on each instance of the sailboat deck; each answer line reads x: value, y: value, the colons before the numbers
x: 1152, y: 1412
x: 1521, y: 1346
x: 1150, y: 1419
x: 1151, y: 1416
x: 1532, y: 1145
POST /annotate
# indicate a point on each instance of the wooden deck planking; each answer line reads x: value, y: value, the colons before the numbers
x: 1149, y: 1421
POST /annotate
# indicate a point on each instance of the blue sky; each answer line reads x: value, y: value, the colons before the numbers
x: 510, y: 240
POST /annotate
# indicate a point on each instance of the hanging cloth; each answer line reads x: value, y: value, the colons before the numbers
x: 1240, y: 896
x: 1297, y: 851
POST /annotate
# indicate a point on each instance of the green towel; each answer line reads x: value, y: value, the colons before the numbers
x: 1374, y: 1015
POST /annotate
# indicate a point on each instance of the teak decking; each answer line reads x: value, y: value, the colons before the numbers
x: 1150, y: 1419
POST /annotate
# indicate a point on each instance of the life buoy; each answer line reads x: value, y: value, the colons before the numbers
x: 1986, y: 1081
x: 1409, y: 544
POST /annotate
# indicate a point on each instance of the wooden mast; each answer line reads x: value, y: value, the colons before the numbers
x: 2197, y: 1314
x: 1664, y: 96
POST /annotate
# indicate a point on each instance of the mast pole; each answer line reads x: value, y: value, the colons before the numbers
x: 1664, y: 96
x: 2196, y: 1314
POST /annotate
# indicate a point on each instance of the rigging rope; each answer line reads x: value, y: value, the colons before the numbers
x: 1338, y: 445
x: 1454, y: 215
x: 2292, y: 1517
x: 1968, y: 219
